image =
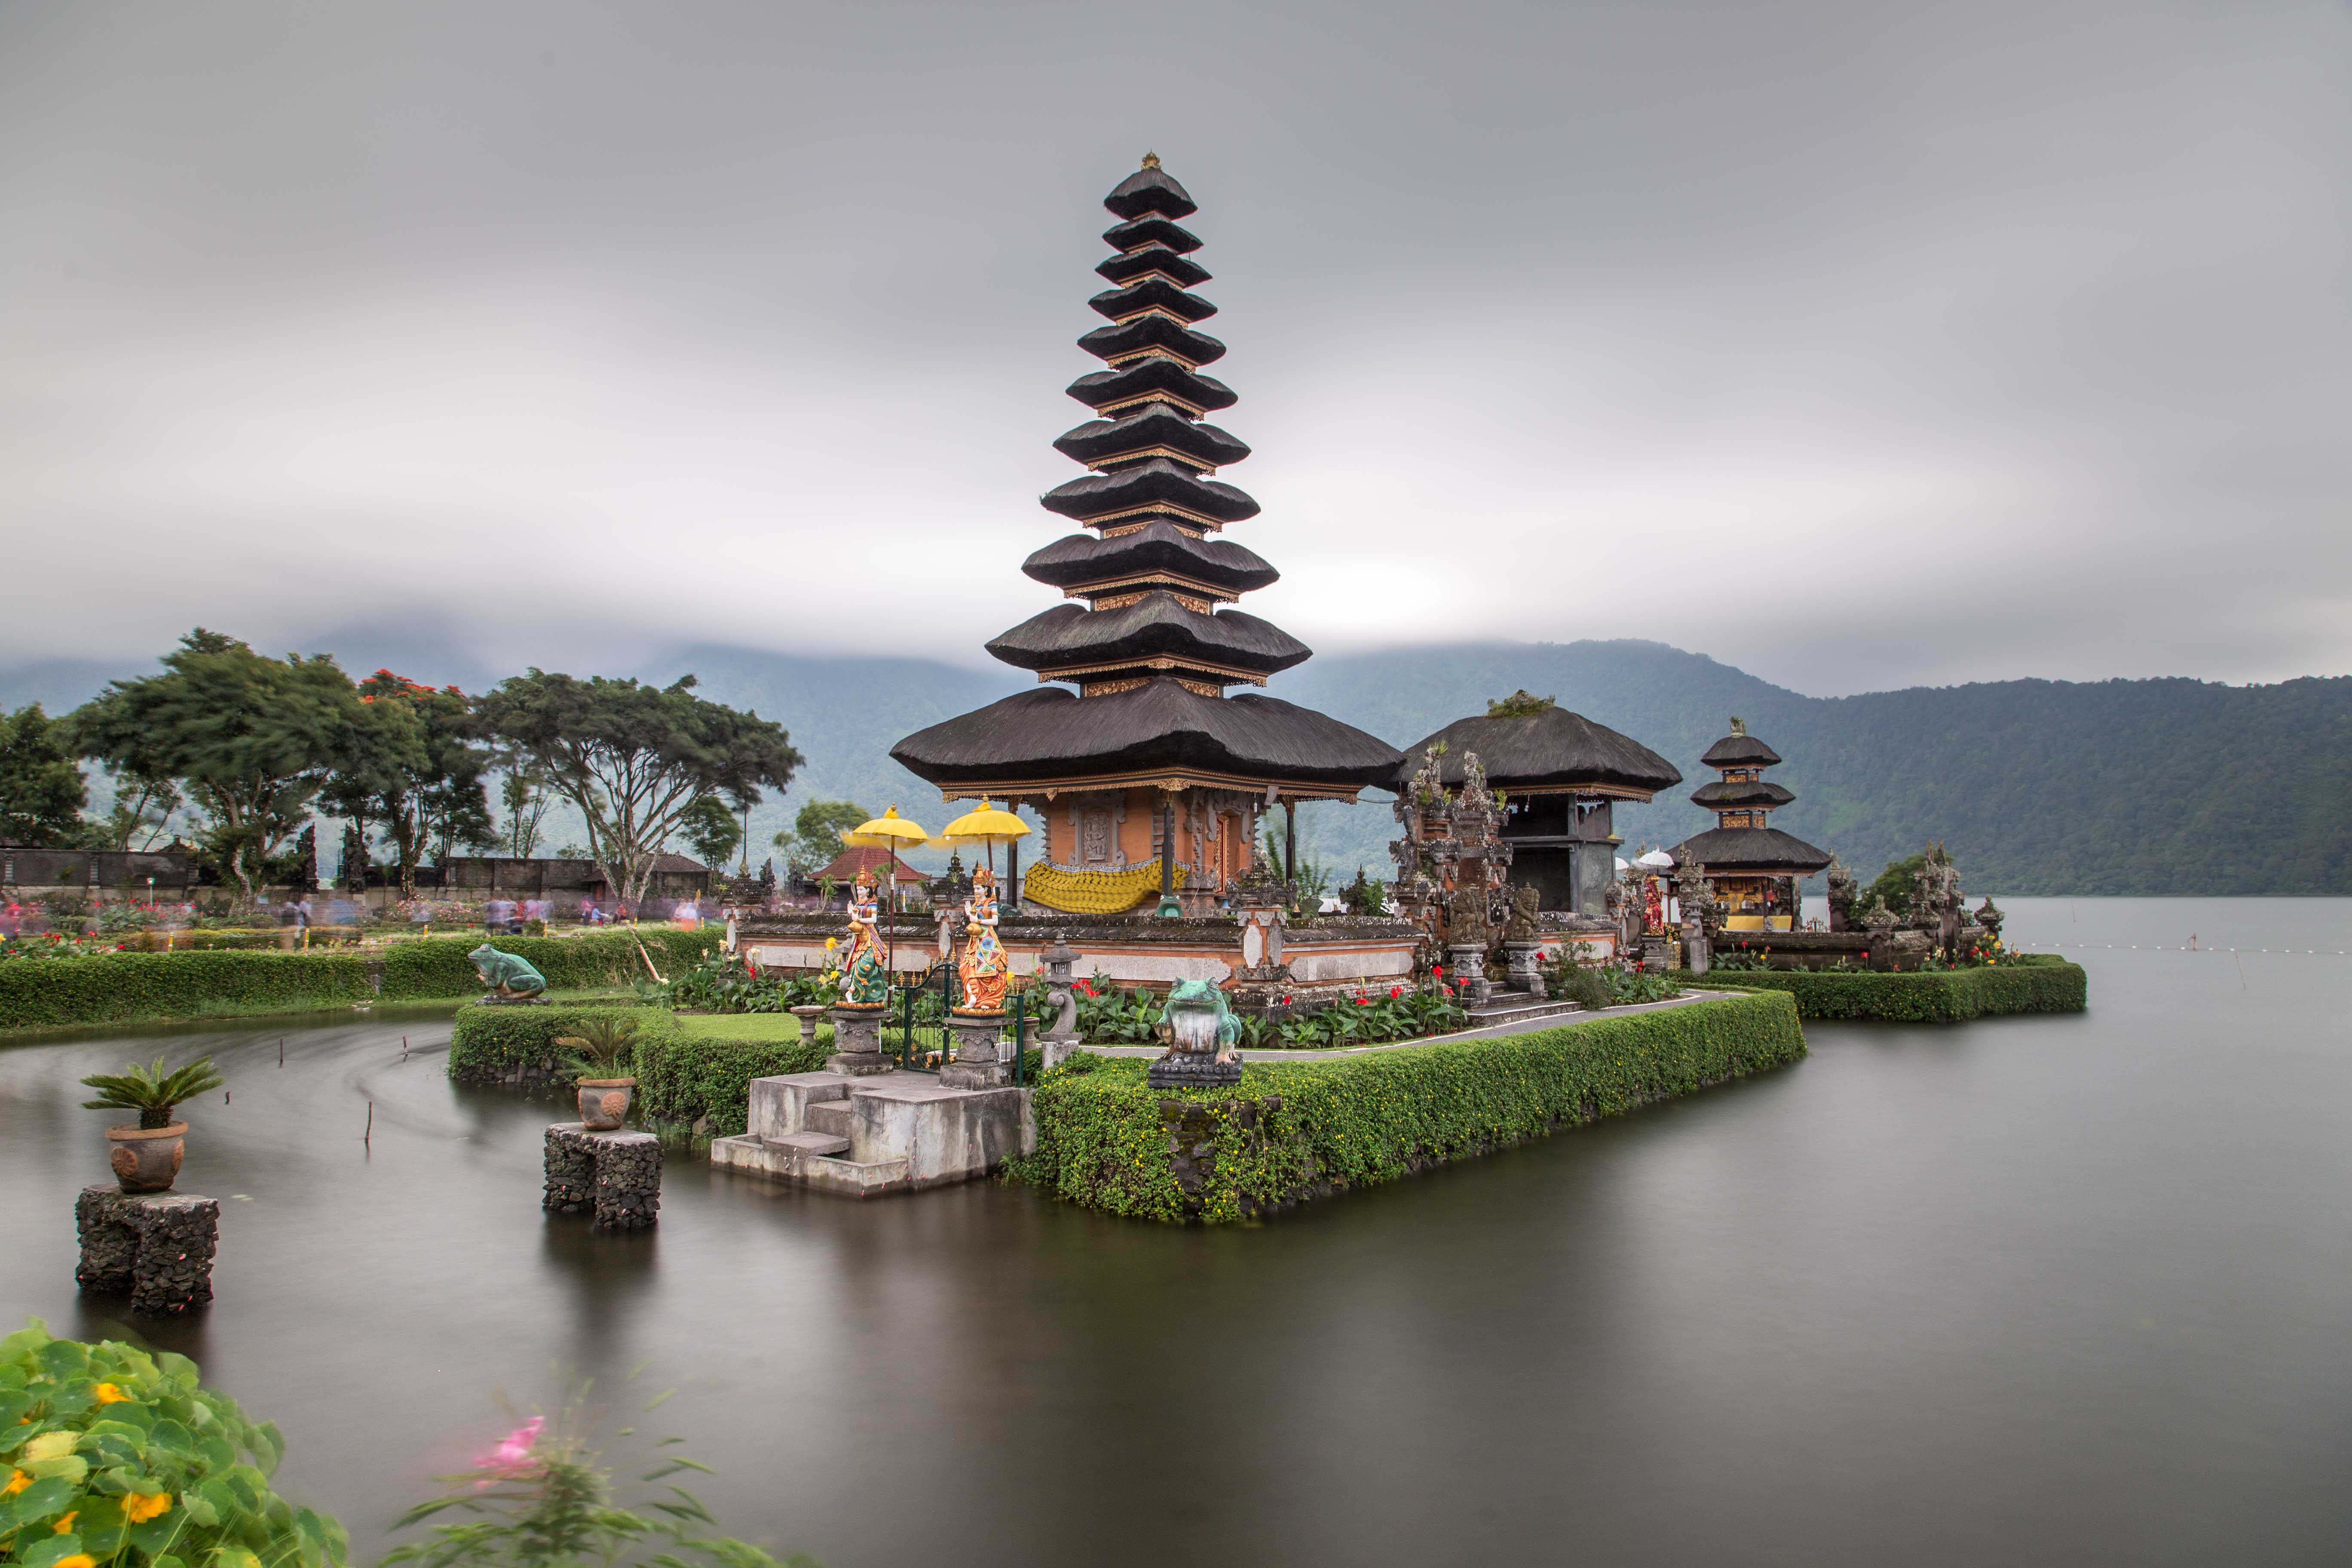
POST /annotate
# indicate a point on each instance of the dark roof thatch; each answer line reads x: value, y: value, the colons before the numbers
x: 1157, y: 483
x: 1151, y: 230
x: 1133, y: 264
x: 1052, y: 735
x: 1118, y: 304
x: 1159, y: 545
x: 1153, y: 333
x: 1142, y: 377
x: 1153, y: 425
x: 1740, y: 751
x: 1766, y: 851
x: 1721, y: 795
x: 1149, y: 189
x: 1070, y: 635
x: 1551, y: 749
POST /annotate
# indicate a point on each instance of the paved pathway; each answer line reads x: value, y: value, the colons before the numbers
x: 1524, y: 1025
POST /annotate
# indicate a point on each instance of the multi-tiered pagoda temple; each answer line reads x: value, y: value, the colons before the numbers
x: 1752, y: 867
x: 1149, y: 774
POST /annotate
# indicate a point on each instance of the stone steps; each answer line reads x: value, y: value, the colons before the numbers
x: 1516, y: 1006
x: 826, y: 1144
x: 835, y: 1117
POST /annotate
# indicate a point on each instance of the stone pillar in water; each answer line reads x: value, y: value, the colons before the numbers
x: 158, y: 1246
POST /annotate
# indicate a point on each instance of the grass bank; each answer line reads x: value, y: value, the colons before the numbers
x: 1291, y: 1133
x: 159, y: 987
x: 2036, y: 982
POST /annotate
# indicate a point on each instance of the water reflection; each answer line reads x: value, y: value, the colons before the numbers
x: 2056, y: 1290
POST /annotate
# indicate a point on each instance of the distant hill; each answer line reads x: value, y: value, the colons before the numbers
x: 2038, y: 787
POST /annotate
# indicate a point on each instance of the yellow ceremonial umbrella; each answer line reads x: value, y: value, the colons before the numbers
x: 989, y: 828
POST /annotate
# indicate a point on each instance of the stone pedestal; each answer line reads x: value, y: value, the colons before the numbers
x: 857, y: 1041
x: 1061, y: 1036
x: 1469, y: 970
x: 1656, y: 951
x: 1526, y: 973
x: 158, y: 1246
x: 1696, y: 947
x: 1182, y: 1068
x: 616, y: 1174
x: 979, y: 1059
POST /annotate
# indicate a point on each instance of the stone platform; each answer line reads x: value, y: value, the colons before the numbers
x: 862, y: 1137
x: 157, y: 1246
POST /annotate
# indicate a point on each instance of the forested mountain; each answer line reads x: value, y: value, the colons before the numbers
x: 2120, y: 787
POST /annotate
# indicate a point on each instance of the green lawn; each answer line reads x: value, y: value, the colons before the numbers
x: 739, y: 1026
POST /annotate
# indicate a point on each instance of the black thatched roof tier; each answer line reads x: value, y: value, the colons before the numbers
x: 1154, y: 430
x: 1722, y: 796
x: 1155, y: 230
x: 1158, y: 484
x: 1159, y: 732
x: 1151, y: 294
x: 1128, y: 266
x: 1552, y: 752
x: 1155, y: 376
x: 1149, y: 189
x: 1159, y: 332
x: 1764, y: 851
x: 1740, y: 751
x: 1158, y: 550
x: 1072, y: 637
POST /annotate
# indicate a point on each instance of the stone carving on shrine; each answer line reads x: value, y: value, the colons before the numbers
x: 1699, y: 909
x: 1453, y: 863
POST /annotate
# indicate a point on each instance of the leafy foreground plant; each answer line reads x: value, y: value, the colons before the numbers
x: 603, y: 1047
x: 151, y: 1092
x: 542, y: 1502
x: 111, y: 1455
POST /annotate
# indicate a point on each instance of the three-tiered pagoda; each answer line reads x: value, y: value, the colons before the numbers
x: 1753, y: 867
x: 1149, y: 775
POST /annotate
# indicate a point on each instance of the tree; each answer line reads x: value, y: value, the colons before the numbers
x: 524, y: 794
x: 301, y: 867
x: 633, y: 759
x: 351, y: 867
x: 41, y: 791
x: 815, y: 841
x: 142, y: 809
x: 1895, y: 885
x: 711, y: 830
x: 418, y: 780
x: 249, y: 740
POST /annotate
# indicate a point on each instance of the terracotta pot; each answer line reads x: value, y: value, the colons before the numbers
x: 147, y: 1159
x: 604, y: 1103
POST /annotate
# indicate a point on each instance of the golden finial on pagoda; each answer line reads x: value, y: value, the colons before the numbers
x: 1151, y: 160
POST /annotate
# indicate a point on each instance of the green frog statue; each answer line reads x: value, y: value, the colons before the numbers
x: 510, y: 978
x: 1202, y: 1035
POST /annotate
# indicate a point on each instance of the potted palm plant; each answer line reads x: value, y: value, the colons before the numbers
x: 602, y: 1050
x: 146, y: 1158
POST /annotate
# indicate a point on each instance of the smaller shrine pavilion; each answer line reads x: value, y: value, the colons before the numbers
x: 1557, y: 774
x: 1752, y: 867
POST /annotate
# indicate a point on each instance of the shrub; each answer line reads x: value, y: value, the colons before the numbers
x: 2027, y: 984
x: 1291, y: 1131
x: 129, y: 987
x: 703, y: 1082
x: 115, y: 1455
x: 512, y: 1044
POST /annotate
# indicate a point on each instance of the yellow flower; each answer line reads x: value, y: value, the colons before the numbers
x: 50, y: 1446
x: 64, y: 1524
x: 17, y: 1482
x: 140, y: 1507
x: 109, y: 1394
x: 79, y: 1559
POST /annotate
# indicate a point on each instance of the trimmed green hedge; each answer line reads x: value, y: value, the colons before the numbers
x: 687, y: 1077
x: 1293, y: 1131
x: 2038, y: 982
x: 138, y: 987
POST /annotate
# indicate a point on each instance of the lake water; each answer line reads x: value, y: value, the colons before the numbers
x: 2032, y: 1290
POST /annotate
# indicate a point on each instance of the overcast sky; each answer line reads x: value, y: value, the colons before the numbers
x: 1858, y: 345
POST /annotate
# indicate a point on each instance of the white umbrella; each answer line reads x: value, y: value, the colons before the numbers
x: 1624, y: 865
x: 1656, y: 861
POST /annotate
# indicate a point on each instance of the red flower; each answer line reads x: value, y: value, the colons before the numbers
x: 1395, y: 991
x: 1437, y: 969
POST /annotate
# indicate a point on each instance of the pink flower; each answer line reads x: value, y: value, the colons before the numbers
x: 513, y: 1456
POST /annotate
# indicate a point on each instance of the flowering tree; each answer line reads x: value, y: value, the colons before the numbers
x: 418, y: 779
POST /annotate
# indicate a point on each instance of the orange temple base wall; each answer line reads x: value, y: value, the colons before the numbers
x: 1215, y: 856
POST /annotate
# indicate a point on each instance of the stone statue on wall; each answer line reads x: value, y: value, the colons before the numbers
x: 1698, y: 909
x: 1935, y: 900
x: 1842, y: 893
x: 1525, y: 900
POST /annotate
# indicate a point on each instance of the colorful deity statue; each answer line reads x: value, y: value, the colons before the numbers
x: 864, y: 974
x: 983, y: 966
